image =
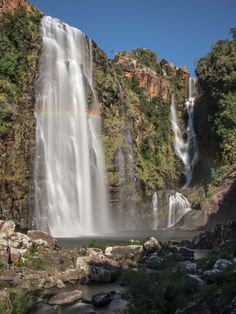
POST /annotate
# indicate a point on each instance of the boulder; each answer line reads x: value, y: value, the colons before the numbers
x: 194, y: 283
x: 15, y: 255
x: 100, y: 274
x: 7, y: 228
x: 124, y: 252
x: 97, y: 269
x: 34, y: 282
x: 151, y: 246
x: 188, y: 266
x: 20, y: 241
x: 42, y: 238
x: 101, y: 299
x: 65, y: 297
x: 153, y: 261
x: 222, y: 263
x: 69, y: 275
x: 211, y: 276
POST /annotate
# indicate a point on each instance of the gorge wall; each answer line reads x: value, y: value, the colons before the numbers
x: 134, y: 92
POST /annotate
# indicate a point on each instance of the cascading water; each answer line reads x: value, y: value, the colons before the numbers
x: 178, y: 207
x: 155, y: 210
x: 70, y: 188
x: 187, y: 151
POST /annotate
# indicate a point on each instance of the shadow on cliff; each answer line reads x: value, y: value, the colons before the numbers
x: 227, y: 206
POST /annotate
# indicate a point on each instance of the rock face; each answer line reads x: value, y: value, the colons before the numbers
x: 12, y: 5
x: 17, y: 143
x: 42, y: 238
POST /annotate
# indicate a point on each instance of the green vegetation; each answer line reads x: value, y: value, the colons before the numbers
x: 217, y: 115
x: 18, y: 33
x: 160, y: 292
x: 32, y: 258
x: 16, y: 303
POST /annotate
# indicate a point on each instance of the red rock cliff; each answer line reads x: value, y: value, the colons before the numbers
x: 12, y: 5
x: 156, y: 85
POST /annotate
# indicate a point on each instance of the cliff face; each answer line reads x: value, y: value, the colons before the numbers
x: 138, y: 141
x: 11, y: 6
x: 19, y: 55
x: 134, y: 93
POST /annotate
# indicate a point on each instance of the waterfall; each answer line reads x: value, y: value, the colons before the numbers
x: 178, y: 207
x: 155, y: 210
x: 70, y: 193
x: 187, y: 150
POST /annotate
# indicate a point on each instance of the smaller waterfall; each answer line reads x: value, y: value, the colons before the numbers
x: 187, y: 150
x: 155, y: 210
x: 178, y: 207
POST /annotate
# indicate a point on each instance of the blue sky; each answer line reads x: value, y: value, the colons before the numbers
x: 181, y: 31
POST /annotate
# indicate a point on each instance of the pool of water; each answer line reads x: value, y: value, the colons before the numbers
x: 123, y: 236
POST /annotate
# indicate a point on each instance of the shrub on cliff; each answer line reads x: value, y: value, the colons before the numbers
x: 217, y: 78
x: 18, y: 32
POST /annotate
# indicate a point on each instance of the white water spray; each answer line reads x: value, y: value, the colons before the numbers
x: 187, y: 151
x: 155, y: 210
x: 70, y: 193
x: 178, y: 207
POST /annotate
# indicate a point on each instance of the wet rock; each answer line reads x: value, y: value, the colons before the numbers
x: 153, y: 261
x: 151, y: 246
x: 124, y: 252
x: 221, y: 264
x: 212, y: 275
x: 97, y: 269
x: 42, y: 238
x: 101, y: 299
x: 7, y: 228
x: 185, y: 252
x: 188, y: 266
x: 194, y: 283
x: 98, y: 273
x: 65, y: 297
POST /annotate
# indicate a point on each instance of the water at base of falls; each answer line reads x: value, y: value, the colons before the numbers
x: 70, y: 192
x: 187, y: 151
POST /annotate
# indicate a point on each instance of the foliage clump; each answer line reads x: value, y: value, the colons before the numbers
x: 18, y: 33
x: 217, y: 115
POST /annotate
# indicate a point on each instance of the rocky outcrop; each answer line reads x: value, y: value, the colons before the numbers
x: 12, y: 5
x: 155, y: 85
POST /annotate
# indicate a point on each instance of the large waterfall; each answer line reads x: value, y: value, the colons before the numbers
x: 187, y: 151
x: 69, y: 169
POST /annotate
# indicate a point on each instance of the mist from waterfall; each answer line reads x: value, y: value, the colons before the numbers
x: 70, y: 189
x: 187, y: 151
